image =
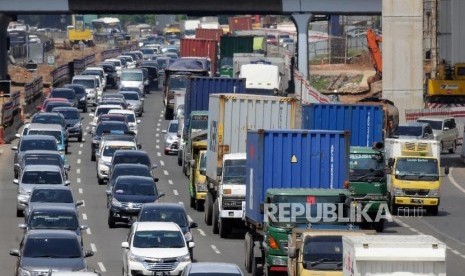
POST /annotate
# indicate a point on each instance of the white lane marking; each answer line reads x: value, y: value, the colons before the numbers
x: 83, y: 203
x: 78, y: 180
x: 175, y: 192
x: 170, y: 182
x: 157, y: 141
x: 157, y: 129
x: 156, y: 134
x: 180, y: 202
x: 79, y: 161
x: 165, y: 172
x: 80, y: 152
x: 162, y: 163
x: 201, y: 232
x: 84, y: 216
x: 189, y: 218
x: 158, y: 153
x: 157, y: 146
x: 80, y: 190
x: 78, y: 171
x: 102, y: 267
x: 215, y: 249
x: 1, y: 151
x: 81, y: 145
x: 93, y: 247
x: 159, y: 120
x: 88, y: 231
x: 455, y: 252
x: 158, y: 124
x: 87, y: 127
x: 452, y: 180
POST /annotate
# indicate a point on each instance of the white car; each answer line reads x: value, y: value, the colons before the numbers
x: 130, y: 62
x: 105, y: 155
x: 91, y: 83
x: 118, y: 65
x: 132, y: 78
x: 154, y: 248
x: 130, y: 116
x: 101, y: 73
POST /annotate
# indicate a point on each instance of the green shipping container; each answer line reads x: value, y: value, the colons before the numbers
x: 229, y: 45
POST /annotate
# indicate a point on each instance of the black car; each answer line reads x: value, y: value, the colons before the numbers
x: 127, y: 196
x: 105, y: 126
x: 131, y: 157
x: 110, y: 71
x: 66, y: 93
x: 41, y: 157
x: 127, y: 169
x: 32, y: 142
x: 81, y: 95
x: 73, y: 121
x: 169, y: 212
x: 42, y: 250
x: 152, y: 74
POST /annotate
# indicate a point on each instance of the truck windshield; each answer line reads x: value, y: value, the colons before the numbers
x: 421, y: 169
x: 199, y: 125
x: 203, y: 161
x: 365, y: 165
x: 436, y: 125
x: 323, y: 252
x: 177, y: 82
x: 234, y: 172
x: 408, y: 131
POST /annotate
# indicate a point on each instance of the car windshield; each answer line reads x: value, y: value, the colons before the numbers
x: 131, y: 96
x: 70, y: 114
x: 41, y: 177
x: 63, y: 94
x: 93, y: 72
x: 158, y: 239
x: 52, y: 105
x: 436, y: 125
x: 409, y: 131
x: 53, y: 220
x: 56, y: 134
x: 135, y: 188
x: 421, y: 169
x: 199, y: 125
x: 162, y: 63
x: 323, y: 252
x: 52, y: 247
x: 49, y: 195
x: 103, y: 110
x: 110, y: 150
x: 178, y: 82
x: 132, y: 76
x: 48, y: 119
x: 141, y: 159
x: 130, y: 171
x: 173, y: 128
x: 87, y: 83
x: 113, y: 128
x: 147, y: 51
x: 38, y: 145
x: 362, y: 164
x: 234, y: 172
x: 130, y: 117
x: 43, y: 160
x: 164, y: 215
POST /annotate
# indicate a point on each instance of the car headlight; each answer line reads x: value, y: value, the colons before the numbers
x: 78, y: 124
x: 23, y: 272
x: 169, y: 139
x: 23, y: 192
x: 188, y: 236
x: 135, y: 258
x: 398, y: 192
x: 434, y: 192
x: 185, y: 258
x: 116, y: 203
x: 279, y: 261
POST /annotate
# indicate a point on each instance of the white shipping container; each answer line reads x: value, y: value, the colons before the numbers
x: 393, y: 147
x: 231, y: 115
x: 393, y: 255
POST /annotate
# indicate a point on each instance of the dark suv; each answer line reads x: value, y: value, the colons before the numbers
x: 131, y: 157
x: 110, y: 71
x: 67, y: 93
x: 81, y: 95
x: 73, y: 121
x: 113, y: 127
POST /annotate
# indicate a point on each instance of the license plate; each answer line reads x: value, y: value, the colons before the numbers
x: 158, y: 274
x: 416, y: 200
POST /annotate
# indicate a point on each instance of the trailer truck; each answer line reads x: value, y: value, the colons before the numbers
x: 230, y: 116
x: 288, y: 170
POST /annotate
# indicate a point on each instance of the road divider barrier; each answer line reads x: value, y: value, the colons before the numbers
x: 33, y: 96
x: 11, y: 118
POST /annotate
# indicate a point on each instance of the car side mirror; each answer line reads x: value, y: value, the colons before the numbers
x: 161, y: 195
x: 193, y: 225
x: 83, y: 227
x: 88, y: 253
x: 446, y: 170
x: 93, y: 110
x: 97, y: 154
x: 82, y: 118
x: 191, y: 244
x: 108, y: 192
x: 125, y: 245
x: 179, y: 135
x: 67, y: 183
x: 446, y: 128
x: 22, y: 226
x: 91, y: 132
x: 219, y: 171
x: 391, y: 162
x: 17, y: 135
x: 67, y: 167
x: 14, y: 252
x: 142, y: 99
x: 155, y: 179
x: 139, y: 146
x: 163, y: 131
x: 291, y: 252
x: 79, y: 203
x: 24, y: 201
x: 305, y: 265
x: 14, y: 148
x: 15, y: 181
x: 154, y: 166
x: 138, y: 121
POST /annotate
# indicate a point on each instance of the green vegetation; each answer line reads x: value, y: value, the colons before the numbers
x: 320, y: 83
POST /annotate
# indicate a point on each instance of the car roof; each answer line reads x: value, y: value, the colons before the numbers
x: 51, y: 233
x: 65, y: 108
x: 167, y: 226
x: 51, y: 187
x: 131, y: 152
x: 108, y: 106
x: 120, y: 111
x: 55, y: 208
x: 94, y: 68
x: 112, y: 115
x: 86, y: 77
x: 39, y: 126
x: 38, y: 137
x: 213, y: 267
x: 62, y: 89
x: 129, y: 91
x: 435, y: 118
x: 119, y: 143
x: 416, y: 124
x: 47, y: 168
x: 41, y: 152
x: 129, y: 166
x: 164, y: 206
x: 134, y: 177
x: 132, y: 71
x: 55, y: 100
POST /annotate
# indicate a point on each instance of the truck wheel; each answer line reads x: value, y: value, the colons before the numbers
x: 192, y: 201
x: 433, y: 210
x: 452, y: 150
x: 215, y: 217
x: 224, y: 228
x: 208, y: 209
x: 255, y: 270
x: 199, y: 205
x: 379, y: 226
x: 111, y: 221
x: 393, y: 207
x: 248, y: 252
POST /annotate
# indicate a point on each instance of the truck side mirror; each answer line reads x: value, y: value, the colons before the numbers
x: 391, y: 162
x: 203, y: 172
x: 446, y: 170
x: 388, y: 170
x: 291, y: 252
x: 304, y: 264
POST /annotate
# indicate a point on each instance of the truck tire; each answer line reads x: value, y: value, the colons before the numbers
x: 215, y: 217
x: 224, y: 228
x: 199, y: 205
x: 379, y: 226
x: 452, y: 150
x: 192, y: 201
x: 433, y: 210
x: 248, y: 244
x: 393, y: 207
x: 255, y: 270
x: 208, y: 209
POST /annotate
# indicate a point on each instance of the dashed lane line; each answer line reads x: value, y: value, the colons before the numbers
x: 189, y: 218
x: 81, y: 145
x: 158, y: 124
x: 88, y: 231
x: 165, y: 172
x: 170, y: 182
x: 157, y: 146
x: 80, y: 152
x: 157, y: 134
x: 175, y: 192
x: 84, y: 216
x: 215, y: 249
x: 452, y: 180
x: 102, y: 267
x: 79, y: 161
x: 162, y: 163
x: 157, y: 129
x: 83, y: 203
x: 80, y: 190
x: 201, y: 232
x: 159, y: 120
x: 78, y: 171
x: 93, y: 247
x: 87, y: 127
x: 157, y: 141
x: 158, y: 154
x: 78, y: 180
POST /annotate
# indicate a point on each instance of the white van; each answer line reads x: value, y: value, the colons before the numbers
x: 92, y: 85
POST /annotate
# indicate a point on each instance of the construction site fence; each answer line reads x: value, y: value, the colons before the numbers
x: 11, y: 119
x: 33, y: 96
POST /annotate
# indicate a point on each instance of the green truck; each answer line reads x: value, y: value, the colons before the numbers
x: 230, y: 45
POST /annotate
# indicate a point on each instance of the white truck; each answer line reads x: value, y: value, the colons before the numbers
x: 393, y: 255
x: 188, y: 27
x: 230, y: 116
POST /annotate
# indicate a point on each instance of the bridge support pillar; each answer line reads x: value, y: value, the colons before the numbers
x: 301, y: 20
x: 4, y: 21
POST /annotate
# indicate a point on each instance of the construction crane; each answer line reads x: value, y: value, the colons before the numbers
x: 373, y: 41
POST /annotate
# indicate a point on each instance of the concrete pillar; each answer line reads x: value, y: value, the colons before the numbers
x: 4, y: 21
x: 301, y: 21
x: 402, y: 54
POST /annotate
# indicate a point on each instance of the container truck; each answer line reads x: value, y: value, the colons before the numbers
x: 317, y: 251
x: 198, y: 126
x: 240, y: 23
x: 197, y: 97
x: 230, y: 45
x: 211, y: 34
x: 414, y: 178
x: 197, y: 181
x: 393, y: 255
x: 230, y: 116
x: 188, y: 28
x: 204, y: 48
x: 307, y: 168
x: 367, y: 175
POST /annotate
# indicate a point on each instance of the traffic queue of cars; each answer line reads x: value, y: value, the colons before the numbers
x: 53, y: 237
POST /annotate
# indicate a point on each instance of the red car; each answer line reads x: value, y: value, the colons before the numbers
x: 272, y: 39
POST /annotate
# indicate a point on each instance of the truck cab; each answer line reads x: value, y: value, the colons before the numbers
x: 414, y: 180
x: 197, y: 180
x: 197, y: 127
x: 317, y: 252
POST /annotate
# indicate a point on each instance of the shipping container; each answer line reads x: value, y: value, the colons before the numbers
x: 200, y: 48
x: 229, y: 45
x: 364, y: 122
x: 213, y: 34
x: 199, y: 89
x: 240, y: 23
x: 293, y: 159
x: 231, y: 115
x: 413, y: 255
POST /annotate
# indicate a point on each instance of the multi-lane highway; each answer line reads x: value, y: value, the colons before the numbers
x: 448, y: 226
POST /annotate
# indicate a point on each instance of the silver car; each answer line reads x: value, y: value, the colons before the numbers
x: 171, y: 137
x: 444, y: 130
x: 135, y: 102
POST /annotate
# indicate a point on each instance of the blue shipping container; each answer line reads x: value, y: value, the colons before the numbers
x: 293, y: 159
x: 199, y: 89
x: 364, y: 122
